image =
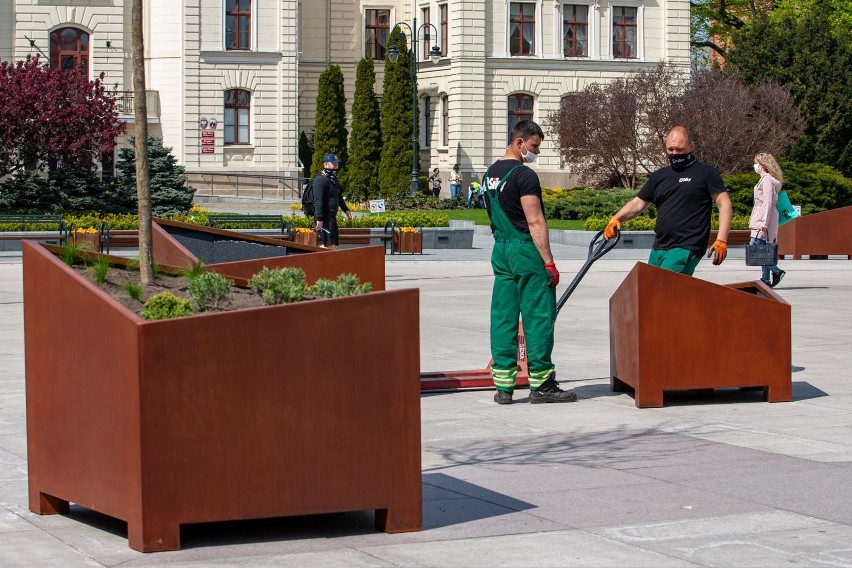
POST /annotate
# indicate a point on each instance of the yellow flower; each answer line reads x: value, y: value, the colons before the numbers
x: 407, y: 230
x: 87, y: 230
x: 303, y: 230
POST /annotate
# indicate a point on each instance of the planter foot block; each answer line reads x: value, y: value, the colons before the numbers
x: 157, y: 538
x: 399, y: 519
x: 44, y: 504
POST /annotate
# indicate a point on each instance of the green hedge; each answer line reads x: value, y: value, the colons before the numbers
x: 399, y: 218
x: 739, y: 222
x: 816, y: 187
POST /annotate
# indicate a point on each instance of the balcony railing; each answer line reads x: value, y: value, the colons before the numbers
x: 124, y: 103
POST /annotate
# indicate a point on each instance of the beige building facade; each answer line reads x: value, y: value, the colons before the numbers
x: 232, y: 83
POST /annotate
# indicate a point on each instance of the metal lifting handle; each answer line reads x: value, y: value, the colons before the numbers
x: 597, y: 248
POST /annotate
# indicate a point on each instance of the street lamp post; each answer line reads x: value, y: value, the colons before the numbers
x: 393, y: 56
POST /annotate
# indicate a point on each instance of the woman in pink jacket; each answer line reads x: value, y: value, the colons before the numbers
x: 764, y: 216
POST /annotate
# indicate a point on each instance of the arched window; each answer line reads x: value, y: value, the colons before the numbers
x: 237, y: 116
x: 69, y: 49
x: 520, y: 108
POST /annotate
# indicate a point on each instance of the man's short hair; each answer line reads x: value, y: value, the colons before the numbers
x: 525, y: 129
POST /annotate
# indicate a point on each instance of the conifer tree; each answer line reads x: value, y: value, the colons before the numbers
x: 169, y: 192
x: 366, y: 140
x: 397, y: 130
x: 306, y: 154
x: 330, y: 132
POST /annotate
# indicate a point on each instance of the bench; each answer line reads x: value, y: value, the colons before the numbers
x: 249, y: 222
x: 735, y: 238
x: 29, y: 223
x: 117, y: 238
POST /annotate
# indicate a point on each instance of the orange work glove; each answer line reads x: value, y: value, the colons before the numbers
x: 721, y: 250
x: 613, y: 226
x: 552, y: 274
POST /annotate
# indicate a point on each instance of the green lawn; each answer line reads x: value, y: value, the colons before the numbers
x: 480, y: 217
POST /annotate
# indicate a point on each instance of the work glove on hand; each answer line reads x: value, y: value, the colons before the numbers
x: 721, y: 250
x: 552, y: 274
x: 613, y: 226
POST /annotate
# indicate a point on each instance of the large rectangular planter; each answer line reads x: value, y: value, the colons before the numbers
x: 220, y: 416
x: 817, y: 235
x: 669, y: 332
x: 368, y: 263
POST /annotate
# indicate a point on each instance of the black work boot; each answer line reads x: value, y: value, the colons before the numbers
x: 549, y: 391
x: 503, y: 397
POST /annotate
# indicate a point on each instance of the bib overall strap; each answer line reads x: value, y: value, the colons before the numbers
x: 503, y: 227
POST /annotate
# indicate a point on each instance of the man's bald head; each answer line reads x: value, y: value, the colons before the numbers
x: 678, y: 141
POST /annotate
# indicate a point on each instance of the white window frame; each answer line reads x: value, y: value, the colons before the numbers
x: 253, y: 42
x: 538, y: 35
x: 640, y: 32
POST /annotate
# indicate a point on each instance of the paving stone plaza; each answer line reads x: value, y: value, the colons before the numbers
x: 708, y: 480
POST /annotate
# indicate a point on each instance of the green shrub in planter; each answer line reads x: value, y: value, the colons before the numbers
x: 165, y: 305
x: 345, y: 285
x: 208, y: 290
x: 280, y: 285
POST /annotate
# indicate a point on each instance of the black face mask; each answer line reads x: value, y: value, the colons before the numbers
x: 330, y: 172
x: 680, y: 161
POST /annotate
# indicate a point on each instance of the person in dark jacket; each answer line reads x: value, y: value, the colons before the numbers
x: 327, y: 199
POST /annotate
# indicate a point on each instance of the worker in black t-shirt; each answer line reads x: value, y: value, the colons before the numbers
x: 684, y: 193
x: 525, y: 275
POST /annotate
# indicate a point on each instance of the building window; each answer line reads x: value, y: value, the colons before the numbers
x: 575, y: 30
x: 520, y: 108
x: 445, y: 27
x: 69, y: 49
x: 522, y: 28
x: 623, y: 32
x: 237, y: 113
x: 427, y: 122
x: 445, y: 120
x: 427, y: 33
x: 238, y: 24
x: 376, y: 33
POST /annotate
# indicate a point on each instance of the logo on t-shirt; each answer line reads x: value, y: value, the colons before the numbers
x: 682, y: 180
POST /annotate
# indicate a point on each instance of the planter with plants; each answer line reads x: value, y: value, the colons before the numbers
x: 366, y: 262
x: 408, y: 240
x: 202, y: 400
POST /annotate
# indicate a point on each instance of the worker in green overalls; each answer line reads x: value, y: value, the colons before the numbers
x: 525, y: 276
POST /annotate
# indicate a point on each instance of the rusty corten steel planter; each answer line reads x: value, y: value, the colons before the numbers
x: 818, y: 234
x: 669, y: 331
x: 368, y: 263
x: 221, y: 416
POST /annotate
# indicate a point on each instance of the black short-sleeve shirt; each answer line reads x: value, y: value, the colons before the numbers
x: 523, y: 181
x: 684, y: 201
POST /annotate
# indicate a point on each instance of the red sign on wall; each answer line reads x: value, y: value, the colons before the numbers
x: 207, y: 149
x: 208, y: 142
x: 208, y: 133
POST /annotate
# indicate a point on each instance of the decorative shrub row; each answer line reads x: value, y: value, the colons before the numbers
x: 644, y: 223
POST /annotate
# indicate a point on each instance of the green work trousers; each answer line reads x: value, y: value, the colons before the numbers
x: 676, y: 259
x: 520, y: 289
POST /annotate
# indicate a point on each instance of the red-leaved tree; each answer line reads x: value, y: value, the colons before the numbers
x: 51, y: 116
